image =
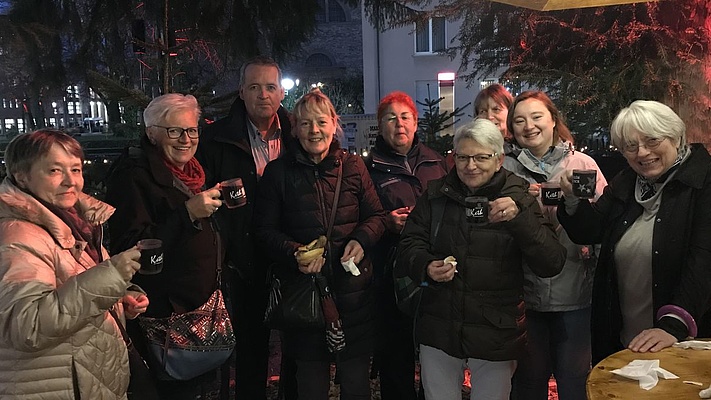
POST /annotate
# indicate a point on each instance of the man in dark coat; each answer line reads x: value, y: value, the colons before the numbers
x: 400, y: 167
x: 241, y: 145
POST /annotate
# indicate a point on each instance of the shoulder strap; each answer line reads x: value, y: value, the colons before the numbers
x: 336, y: 195
x: 124, y: 334
x: 437, y: 210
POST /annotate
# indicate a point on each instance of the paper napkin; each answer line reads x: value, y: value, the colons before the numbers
x: 647, y: 372
x: 350, y: 266
x: 694, y: 344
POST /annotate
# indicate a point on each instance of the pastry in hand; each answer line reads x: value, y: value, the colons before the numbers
x: 305, y: 254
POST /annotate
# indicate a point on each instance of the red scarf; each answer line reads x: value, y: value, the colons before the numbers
x: 192, y: 174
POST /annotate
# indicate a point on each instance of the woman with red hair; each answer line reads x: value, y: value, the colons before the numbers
x: 401, y: 166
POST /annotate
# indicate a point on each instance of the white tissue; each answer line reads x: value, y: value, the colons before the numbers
x: 706, y: 393
x: 694, y: 344
x: 647, y: 372
x: 350, y: 266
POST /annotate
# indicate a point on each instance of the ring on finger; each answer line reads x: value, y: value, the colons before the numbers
x: 503, y: 212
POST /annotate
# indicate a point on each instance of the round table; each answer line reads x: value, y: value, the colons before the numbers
x: 688, y: 365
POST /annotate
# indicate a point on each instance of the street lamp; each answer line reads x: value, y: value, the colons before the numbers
x: 287, y: 83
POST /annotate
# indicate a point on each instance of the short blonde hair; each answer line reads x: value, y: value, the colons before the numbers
x: 315, y: 102
x: 649, y: 118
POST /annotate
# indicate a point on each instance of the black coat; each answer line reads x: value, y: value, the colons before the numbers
x: 294, y: 203
x: 480, y: 313
x: 225, y: 153
x: 399, y: 180
x: 681, y: 249
x: 150, y: 205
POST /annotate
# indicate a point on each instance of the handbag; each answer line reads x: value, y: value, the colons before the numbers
x: 297, y: 302
x: 141, y: 386
x: 190, y: 344
x: 408, y: 293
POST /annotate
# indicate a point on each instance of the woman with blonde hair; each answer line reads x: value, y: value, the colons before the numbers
x: 296, y: 200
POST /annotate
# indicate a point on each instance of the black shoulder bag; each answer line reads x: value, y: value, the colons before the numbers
x: 296, y: 303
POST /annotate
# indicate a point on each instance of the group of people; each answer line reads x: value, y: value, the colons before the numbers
x: 536, y: 290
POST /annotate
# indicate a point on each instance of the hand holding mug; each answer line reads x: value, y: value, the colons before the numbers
x: 126, y: 263
x: 565, y: 184
x: 204, y: 204
x: 534, y: 189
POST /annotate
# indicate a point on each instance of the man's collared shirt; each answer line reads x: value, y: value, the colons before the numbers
x: 264, y: 150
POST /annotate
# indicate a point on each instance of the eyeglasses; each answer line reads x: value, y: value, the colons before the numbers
x: 649, y: 144
x: 392, y: 118
x: 175, y: 132
x: 478, y: 159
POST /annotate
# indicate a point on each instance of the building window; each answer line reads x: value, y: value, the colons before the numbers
x: 20, y: 125
x: 430, y: 35
x: 486, y: 83
x: 330, y: 11
x: 74, y: 107
x: 318, y: 60
x: 335, y: 12
x: 73, y: 91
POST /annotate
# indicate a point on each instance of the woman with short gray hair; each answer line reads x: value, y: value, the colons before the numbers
x: 652, y: 284
x: 471, y: 309
x: 159, y: 192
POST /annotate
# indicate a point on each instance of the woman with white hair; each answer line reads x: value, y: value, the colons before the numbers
x: 471, y: 312
x: 159, y: 193
x: 652, y: 285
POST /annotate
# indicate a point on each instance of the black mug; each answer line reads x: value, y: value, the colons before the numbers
x: 477, y: 210
x: 550, y: 193
x: 151, y: 256
x: 584, y: 182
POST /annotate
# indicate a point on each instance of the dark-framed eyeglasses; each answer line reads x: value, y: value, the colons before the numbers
x: 649, y: 144
x: 175, y: 132
x: 478, y: 159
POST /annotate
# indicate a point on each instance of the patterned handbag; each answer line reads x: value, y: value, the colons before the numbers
x: 191, y: 344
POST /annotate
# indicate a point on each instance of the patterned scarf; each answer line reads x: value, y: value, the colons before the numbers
x: 648, y: 187
x: 81, y: 230
x: 192, y: 174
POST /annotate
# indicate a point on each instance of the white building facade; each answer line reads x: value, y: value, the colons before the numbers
x: 409, y: 59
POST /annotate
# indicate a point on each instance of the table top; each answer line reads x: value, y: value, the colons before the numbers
x: 688, y: 365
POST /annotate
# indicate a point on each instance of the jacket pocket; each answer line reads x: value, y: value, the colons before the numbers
x: 500, y: 317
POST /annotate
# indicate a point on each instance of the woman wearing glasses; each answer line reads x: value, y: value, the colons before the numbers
x: 158, y: 191
x: 471, y: 313
x: 653, y: 281
x: 401, y: 167
x: 558, y: 307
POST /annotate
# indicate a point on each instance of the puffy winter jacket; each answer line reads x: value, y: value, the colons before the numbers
x: 57, y: 339
x: 480, y: 313
x: 572, y: 288
x: 294, y: 203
